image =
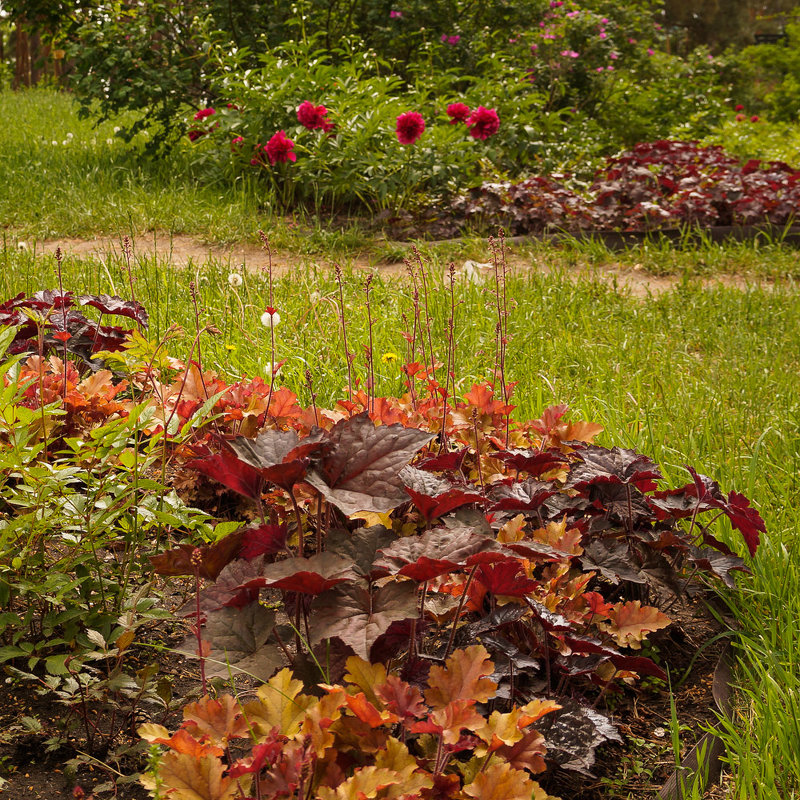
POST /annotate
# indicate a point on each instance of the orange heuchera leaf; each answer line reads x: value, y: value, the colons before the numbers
x: 220, y: 720
x: 188, y: 778
x: 181, y: 741
x: 527, y: 753
x: 283, y: 404
x: 411, y: 779
x: 364, y: 783
x: 630, y: 622
x: 366, y: 676
x: 366, y: 711
x: 320, y: 715
x: 500, y: 782
x: 454, y: 717
x: 280, y: 705
x: 501, y: 729
x: 536, y: 709
x: 402, y: 698
x: 462, y: 678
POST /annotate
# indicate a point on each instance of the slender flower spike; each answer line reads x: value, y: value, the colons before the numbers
x: 410, y: 126
x: 234, y: 280
x: 270, y: 318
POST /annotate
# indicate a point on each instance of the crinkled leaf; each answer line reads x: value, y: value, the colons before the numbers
x: 360, y: 547
x: 745, y: 519
x: 463, y: 677
x: 630, y: 622
x: 239, y: 639
x: 434, y: 553
x: 109, y: 304
x: 359, y: 616
x: 280, y: 704
x: 719, y: 564
x: 362, y: 471
x: 227, y: 589
x: 617, y: 465
x: 507, y: 578
x: 582, y: 645
x: 312, y: 575
x: 188, y: 778
x: 612, y: 560
x: 218, y: 718
x: 574, y: 733
x: 527, y: 495
x: 527, y: 753
x: 433, y: 496
x: 500, y: 781
x: 534, y: 462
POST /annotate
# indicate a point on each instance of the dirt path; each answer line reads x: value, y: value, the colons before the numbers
x: 184, y: 251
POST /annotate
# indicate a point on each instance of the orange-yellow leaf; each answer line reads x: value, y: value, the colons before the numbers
x: 363, y: 784
x: 535, y: 710
x: 630, y: 622
x: 512, y: 530
x: 280, y: 705
x: 456, y: 716
x: 366, y: 676
x: 500, y: 728
x: 188, y: 778
x: 462, y: 678
x: 500, y: 781
x: 181, y: 741
x: 527, y: 753
x: 411, y: 778
x: 367, y: 712
x: 219, y: 719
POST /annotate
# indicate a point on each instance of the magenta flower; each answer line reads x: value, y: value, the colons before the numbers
x: 739, y: 107
x: 458, y: 112
x: 280, y: 148
x: 483, y: 123
x: 236, y: 144
x: 570, y: 54
x: 312, y: 117
x: 395, y: 14
x: 204, y: 112
x: 410, y: 126
x: 754, y: 118
x: 451, y: 40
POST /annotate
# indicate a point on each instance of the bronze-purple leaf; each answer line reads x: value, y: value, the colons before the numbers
x: 213, y: 558
x: 534, y: 462
x: 617, y: 465
x: 109, y: 304
x: 359, y: 616
x: 362, y: 471
x: 527, y: 495
x: 434, y: 496
x: 434, y: 552
x: 305, y: 575
x: 231, y: 472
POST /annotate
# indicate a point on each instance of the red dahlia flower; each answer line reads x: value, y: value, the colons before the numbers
x: 483, y: 123
x: 204, y: 112
x: 458, y: 112
x: 312, y: 117
x: 280, y: 148
x: 410, y: 127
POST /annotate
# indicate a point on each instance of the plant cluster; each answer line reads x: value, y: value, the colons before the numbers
x: 663, y: 184
x: 446, y: 594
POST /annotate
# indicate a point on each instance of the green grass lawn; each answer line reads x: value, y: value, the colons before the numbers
x: 706, y: 377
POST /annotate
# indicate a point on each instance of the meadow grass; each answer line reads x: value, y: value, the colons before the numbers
x: 706, y: 377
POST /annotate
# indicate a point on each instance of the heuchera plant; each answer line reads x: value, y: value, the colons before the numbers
x: 656, y: 185
x: 396, y: 545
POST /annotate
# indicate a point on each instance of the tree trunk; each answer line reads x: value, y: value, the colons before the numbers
x: 22, y: 71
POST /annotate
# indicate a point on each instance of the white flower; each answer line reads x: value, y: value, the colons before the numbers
x: 69, y: 136
x: 234, y: 280
x: 54, y: 143
x: 117, y: 129
x: 22, y: 246
x: 65, y: 142
x: 315, y: 297
x: 268, y: 368
x: 109, y: 141
x: 270, y: 318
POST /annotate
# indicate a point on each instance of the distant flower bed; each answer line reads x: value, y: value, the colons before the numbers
x: 657, y: 185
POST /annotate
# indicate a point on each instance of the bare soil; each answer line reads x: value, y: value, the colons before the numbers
x: 184, y: 251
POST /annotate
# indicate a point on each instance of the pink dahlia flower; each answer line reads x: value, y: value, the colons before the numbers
x: 458, y: 112
x: 483, y: 123
x: 280, y: 148
x: 410, y: 126
x: 311, y: 116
